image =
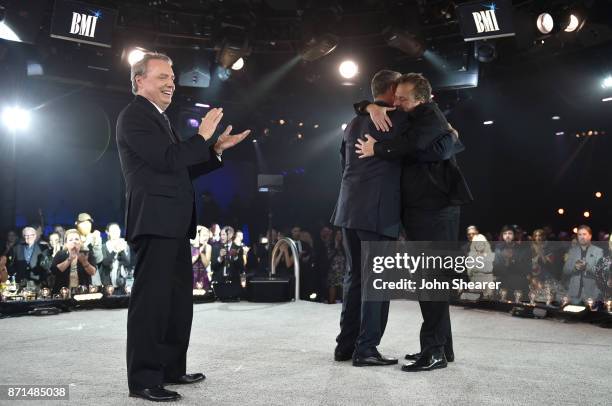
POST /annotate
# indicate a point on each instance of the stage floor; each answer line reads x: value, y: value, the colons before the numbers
x: 282, y: 354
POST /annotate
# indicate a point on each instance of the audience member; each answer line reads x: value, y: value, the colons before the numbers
x: 30, y: 261
x: 579, y: 268
x: 116, y: 259
x: 74, y: 265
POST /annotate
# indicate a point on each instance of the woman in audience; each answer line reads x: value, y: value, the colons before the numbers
x: 201, y: 253
x: 11, y: 240
x: 55, y: 244
x: 72, y: 267
x: 480, y: 248
x: 541, y: 260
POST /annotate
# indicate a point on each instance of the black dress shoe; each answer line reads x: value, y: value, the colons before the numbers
x: 375, y: 359
x: 416, y: 356
x: 185, y: 379
x: 427, y: 363
x: 156, y: 394
x: 342, y: 356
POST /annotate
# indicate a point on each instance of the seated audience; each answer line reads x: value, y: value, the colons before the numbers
x: 337, y: 267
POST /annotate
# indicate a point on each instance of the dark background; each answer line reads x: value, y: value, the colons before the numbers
x: 519, y: 170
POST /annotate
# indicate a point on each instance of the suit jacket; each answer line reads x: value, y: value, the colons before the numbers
x: 36, y: 269
x: 369, y: 197
x: 582, y: 284
x: 158, y: 172
x: 430, y: 175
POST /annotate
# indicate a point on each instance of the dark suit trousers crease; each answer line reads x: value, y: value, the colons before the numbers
x: 160, y: 311
x: 433, y: 225
x: 362, y: 323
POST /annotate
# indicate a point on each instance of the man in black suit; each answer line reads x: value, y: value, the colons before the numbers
x: 160, y: 219
x: 431, y: 195
x: 368, y: 209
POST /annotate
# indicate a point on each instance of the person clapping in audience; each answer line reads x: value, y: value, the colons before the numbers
x: 92, y: 241
x: 481, y: 249
x: 201, y: 253
x: 115, y: 266
x: 73, y: 266
x: 55, y: 244
x: 579, y: 267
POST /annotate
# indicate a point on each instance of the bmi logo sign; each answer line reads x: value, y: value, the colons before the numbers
x: 481, y: 20
x: 486, y: 21
x: 81, y: 22
x: 84, y: 25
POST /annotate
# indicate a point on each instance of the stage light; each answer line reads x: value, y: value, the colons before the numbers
x: 135, y: 55
x: 556, y: 118
x: 607, y: 82
x: 300, y: 124
x: 575, y: 230
x: 586, y: 214
x: 223, y: 73
x: 254, y: 140
x: 281, y: 121
x: 239, y: 64
x: 193, y: 123
x: 313, y: 296
x: 598, y: 195
x: 299, y: 136
x: 343, y: 126
x: 318, y: 47
x: 405, y: 41
x: 204, y: 106
x: 489, y: 122
x: 561, y: 211
x: 348, y: 69
x: 266, y: 131
x: 16, y: 118
x: 485, y: 51
x: 545, y: 23
x: 316, y: 126
x: 234, y: 45
x: 88, y: 297
x: 559, y: 133
x: 606, y: 99
x: 573, y: 308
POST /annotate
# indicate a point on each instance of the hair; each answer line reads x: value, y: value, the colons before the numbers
x: 585, y: 227
x: 28, y: 228
x: 229, y: 228
x: 68, y: 232
x: 383, y: 80
x: 108, y: 226
x: 479, y: 238
x: 422, y: 87
x: 472, y: 227
x: 538, y: 230
x: 507, y: 228
x: 140, y: 67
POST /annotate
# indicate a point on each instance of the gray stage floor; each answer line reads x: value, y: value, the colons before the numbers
x: 281, y: 354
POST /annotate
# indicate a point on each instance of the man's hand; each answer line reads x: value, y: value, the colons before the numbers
x: 454, y: 132
x: 379, y: 116
x: 365, y: 149
x: 210, y: 122
x: 226, y: 140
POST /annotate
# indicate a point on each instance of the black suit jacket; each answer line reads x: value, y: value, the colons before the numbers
x: 369, y: 197
x: 158, y: 172
x: 430, y: 177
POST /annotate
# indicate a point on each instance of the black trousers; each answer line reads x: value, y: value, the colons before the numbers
x: 441, y: 224
x: 362, y: 323
x: 160, y: 311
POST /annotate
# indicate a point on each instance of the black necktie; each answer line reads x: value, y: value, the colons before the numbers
x: 173, y: 137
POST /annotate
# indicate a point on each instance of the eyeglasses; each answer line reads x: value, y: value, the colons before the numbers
x: 29, y: 235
